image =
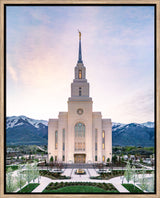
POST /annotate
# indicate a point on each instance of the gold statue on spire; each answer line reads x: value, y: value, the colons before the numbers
x: 79, y: 34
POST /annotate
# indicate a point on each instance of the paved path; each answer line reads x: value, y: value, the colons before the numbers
x: 67, y: 172
x: 44, y: 181
x: 84, y: 178
x: 120, y: 188
x: 93, y: 172
x: 116, y: 181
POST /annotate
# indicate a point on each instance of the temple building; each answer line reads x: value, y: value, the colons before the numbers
x: 80, y: 135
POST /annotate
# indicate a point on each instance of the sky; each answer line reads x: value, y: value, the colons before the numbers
x: 117, y: 51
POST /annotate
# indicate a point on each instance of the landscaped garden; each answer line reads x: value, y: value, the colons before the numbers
x: 52, y: 175
x: 109, y: 175
x: 22, y: 176
x: 29, y: 188
x: 80, y: 187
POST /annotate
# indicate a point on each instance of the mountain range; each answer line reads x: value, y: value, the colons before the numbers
x: 22, y: 130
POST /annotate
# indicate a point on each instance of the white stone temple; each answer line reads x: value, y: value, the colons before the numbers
x: 80, y: 135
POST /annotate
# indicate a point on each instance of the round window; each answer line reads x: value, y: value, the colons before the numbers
x: 80, y: 111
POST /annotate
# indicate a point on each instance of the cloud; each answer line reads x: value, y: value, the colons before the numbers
x: 138, y: 106
x: 12, y: 72
x: 117, y: 57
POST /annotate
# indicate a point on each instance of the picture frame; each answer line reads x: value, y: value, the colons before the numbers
x: 3, y: 3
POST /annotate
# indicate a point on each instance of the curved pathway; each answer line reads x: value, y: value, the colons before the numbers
x: 116, y: 181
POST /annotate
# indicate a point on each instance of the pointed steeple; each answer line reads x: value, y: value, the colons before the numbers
x: 80, y: 86
x: 80, y: 51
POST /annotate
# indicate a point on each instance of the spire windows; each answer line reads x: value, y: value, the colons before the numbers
x: 80, y: 74
x: 80, y: 91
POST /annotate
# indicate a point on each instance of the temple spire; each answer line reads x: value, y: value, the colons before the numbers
x: 80, y: 51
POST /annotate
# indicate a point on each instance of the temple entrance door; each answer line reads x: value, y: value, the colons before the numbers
x: 79, y: 158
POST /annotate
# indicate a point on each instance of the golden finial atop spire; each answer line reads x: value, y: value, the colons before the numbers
x: 79, y: 34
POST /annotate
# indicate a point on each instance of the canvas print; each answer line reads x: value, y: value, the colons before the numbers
x: 80, y: 92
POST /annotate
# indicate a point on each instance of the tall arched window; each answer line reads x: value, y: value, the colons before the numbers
x: 103, y: 139
x: 79, y: 130
x: 79, y: 137
x: 63, y: 140
x: 56, y: 139
x: 80, y: 74
x: 95, y: 139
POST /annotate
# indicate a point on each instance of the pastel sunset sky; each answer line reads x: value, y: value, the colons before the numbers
x: 117, y: 51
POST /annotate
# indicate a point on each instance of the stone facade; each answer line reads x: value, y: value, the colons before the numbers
x: 80, y: 135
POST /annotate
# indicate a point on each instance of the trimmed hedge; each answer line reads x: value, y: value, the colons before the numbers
x: 131, y: 188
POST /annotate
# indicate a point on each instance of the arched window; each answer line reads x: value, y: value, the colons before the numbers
x: 56, y: 139
x: 80, y: 74
x: 80, y: 91
x: 79, y: 137
x: 63, y: 139
x: 103, y: 139
x: 95, y: 139
x: 79, y: 130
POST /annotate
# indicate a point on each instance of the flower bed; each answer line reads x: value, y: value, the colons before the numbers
x: 52, y: 175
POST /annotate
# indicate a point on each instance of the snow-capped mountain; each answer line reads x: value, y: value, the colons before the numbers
x: 120, y: 125
x: 19, y: 120
x: 116, y: 126
x: 148, y: 124
x: 133, y: 134
x: 24, y: 130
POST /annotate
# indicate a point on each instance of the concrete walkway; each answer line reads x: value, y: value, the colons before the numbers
x: 67, y: 172
x: 93, y: 172
x: 83, y: 178
x: 44, y: 181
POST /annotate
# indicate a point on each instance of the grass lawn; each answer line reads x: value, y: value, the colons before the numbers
x: 29, y: 188
x: 78, y: 189
x: 132, y: 189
